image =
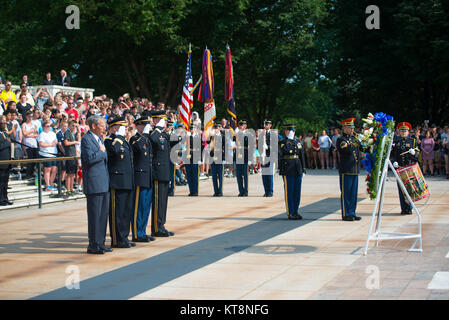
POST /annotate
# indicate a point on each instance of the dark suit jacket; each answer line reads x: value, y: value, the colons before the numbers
x: 95, y: 166
x: 5, y: 150
x: 67, y: 79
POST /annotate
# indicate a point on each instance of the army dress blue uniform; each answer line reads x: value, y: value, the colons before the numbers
x: 121, y: 180
x: 401, y: 146
x: 217, y: 164
x: 160, y: 144
x: 349, y: 149
x: 194, y: 150
x: 143, y: 178
x: 241, y: 159
x: 267, y: 168
x: 291, y: 167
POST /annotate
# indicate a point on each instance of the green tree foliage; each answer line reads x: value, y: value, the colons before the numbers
x: 140, y: 47
x: 401, y: 68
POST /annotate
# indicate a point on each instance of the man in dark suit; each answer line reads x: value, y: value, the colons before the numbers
x: 96, y: 184
x: 121, y: 177
x: 143, y: 189
x: 5, y: 154
x: 64, y: 80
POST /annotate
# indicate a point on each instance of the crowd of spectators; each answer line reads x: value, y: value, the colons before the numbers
x: 42, y: 125
x: 432, y: 141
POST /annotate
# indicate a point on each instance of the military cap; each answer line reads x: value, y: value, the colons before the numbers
x: 144, y: 118
x: 116, y: 120
x: 289, y: 126
x: 158, y: 114
x: 404, y: 126
x: 348, y: 122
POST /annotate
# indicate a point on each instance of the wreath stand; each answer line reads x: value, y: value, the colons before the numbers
x: 378, y: 235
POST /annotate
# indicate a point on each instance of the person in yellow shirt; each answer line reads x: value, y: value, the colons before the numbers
x: 7, y: 94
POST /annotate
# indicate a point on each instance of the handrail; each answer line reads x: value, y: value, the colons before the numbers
x: 39, y: 162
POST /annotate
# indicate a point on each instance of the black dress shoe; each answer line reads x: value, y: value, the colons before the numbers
x: 265, y: 195
x: 142, y: 239
x: 348, y: 218
x: 124, y: 245
x: 160, y: 234
x: 245, y: 195
x: 299, y: 217
x: 293, y: 217
x: 105, y: 249
x: 220, y: 195
x: 240, y: 195
x: 3, y: 203
x: 270, y: 195
x: 357, y: 218
x: 95, y: 250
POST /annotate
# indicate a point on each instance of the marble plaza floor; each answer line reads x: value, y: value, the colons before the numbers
x: 234, y: 248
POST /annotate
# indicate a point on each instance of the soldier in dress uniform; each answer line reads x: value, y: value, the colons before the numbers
x: 194, y: 148
x: 403, y: 154
x: 217, y: 164
x: 5, y: 154
x: 171, y: 188
x: 291, y: 167
x: 349, y: 149
x: 267, y: 173
x: 143, y: 180
x: 241, y: 156
x: 121, y: 180
x: 160, y: 143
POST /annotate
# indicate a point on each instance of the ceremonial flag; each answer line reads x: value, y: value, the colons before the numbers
x: 206, y: 93
x: 187, y: 98
x: 229, y: 88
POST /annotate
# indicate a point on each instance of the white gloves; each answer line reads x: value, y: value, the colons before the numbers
x: 121, y: 131
x: 161, y: 123
x: 291, y: 134
x: 395, y: 164
x: 147, y: 128
x: 265, y: 147
x: 412, y: 152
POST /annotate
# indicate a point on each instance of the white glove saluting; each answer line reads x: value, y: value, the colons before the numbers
x: 291, y: 135
x: 412, y: 152
x: 147, y: 128
x: 395, y: 164
x: 121, y: 131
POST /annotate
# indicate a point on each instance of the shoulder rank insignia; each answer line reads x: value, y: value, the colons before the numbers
x: 343, y: 144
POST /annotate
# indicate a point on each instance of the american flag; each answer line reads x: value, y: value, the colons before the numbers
x: 187, y: 98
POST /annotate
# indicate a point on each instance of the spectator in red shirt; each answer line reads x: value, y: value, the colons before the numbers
x: 69, y: 110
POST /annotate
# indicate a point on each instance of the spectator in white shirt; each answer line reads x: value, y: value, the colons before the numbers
x: 47, y: 143
x: 325, y: 143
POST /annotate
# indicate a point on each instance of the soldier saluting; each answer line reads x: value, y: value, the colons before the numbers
x: 160, y: 143
x: 121, y: 177
x: 404, y: 154
x: 349, y: 149
x: 291, y: 167
x: 143, y: 190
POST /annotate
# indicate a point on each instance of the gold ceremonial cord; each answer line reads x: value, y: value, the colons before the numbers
x: 113, y: 235
x: 343, y: 193
x: 136, y: 209
x: 156, y: 203
x: 286, y: 195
